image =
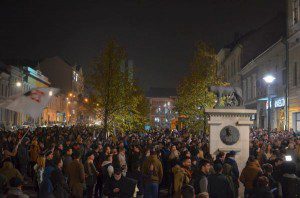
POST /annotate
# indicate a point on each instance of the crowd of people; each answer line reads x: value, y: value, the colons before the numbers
x: 76, y: 162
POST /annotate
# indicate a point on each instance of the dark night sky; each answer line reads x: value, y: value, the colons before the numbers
x: 159, y: 35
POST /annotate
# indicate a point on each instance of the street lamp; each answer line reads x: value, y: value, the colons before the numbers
x: 269, y: 79
x: 18, y: 84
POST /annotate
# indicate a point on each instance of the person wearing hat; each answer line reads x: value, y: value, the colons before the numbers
x: 230, y: 160
x: 91, y: 173
x: 218, y: 185
x: 16, y: 188
x: 76, y: 176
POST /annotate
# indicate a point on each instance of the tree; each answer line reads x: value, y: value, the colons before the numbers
x: 115, y: 96
x: 193, y: 91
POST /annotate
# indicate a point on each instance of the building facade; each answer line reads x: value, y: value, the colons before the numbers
x: 162, y: 111
x: 250, y: 57
x: 256, y: 91
x: 69, y: 78
x: 293, y: 38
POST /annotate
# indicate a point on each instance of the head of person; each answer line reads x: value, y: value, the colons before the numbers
x: 76, y: 155
x: 117, y: 173
x: 188, y: 191
x: 41, y: 161
x: 122, y: 150
x: 221, y: 156
x: 218, y: 168
x: 107, y: 150
x: 49, y: 155
x: 153, y: 152
x: 267, y: 169
x: 90, y: 156
x: 187, y: 163
x: 69, y: 151
x: 58, y: 162
x: 231, y: 154
x: 204, y: 166
x: 173, y: 148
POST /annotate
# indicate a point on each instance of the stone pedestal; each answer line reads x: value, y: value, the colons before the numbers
x: 238, y: 118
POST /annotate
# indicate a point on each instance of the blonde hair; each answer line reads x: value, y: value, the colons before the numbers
x: 41, y: 161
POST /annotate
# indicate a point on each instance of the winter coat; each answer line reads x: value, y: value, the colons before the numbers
x: 249, y: 174
x: 235, y: 169
x: 106, y: 170
x: 67, y: 160
x: 76, y: 178
x: 9, y: 171
x: 91, y: 172
x: 157, y: 173
x: 290, y: 186
x: 60, y: 186
x: 46, y: 187
x: 139, y: 177
x: 181, y: 177
x: 219, y: 187
x: 34, y: 151
x: 127, y: 187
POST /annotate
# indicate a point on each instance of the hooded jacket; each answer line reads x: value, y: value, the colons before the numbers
x: 9, y: 171
x: 157, y: 173
x: 181, y: 177
x: 249, y: 174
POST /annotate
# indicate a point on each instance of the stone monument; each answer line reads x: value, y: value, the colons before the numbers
x: 230, y: 124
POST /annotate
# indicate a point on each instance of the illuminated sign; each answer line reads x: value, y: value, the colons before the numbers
x: 279, y: 102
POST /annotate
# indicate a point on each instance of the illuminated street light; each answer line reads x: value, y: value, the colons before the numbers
x: 70, y: 94
x: 269, y: 80
x: 18, y: 84
x: 50, y: 93
x: 69, y: 102
x: 86, y: 100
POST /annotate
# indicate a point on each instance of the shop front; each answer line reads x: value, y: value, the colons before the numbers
x: 279, y: 113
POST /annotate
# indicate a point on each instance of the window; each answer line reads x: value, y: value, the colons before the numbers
x: 295, y: 75
x: 296, y: 117
x: 244, y: 89
x: 295, y: 7
x: 254, y: 85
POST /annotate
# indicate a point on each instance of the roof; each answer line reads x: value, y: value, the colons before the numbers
x: 258, y: 40
x: 159, y: 92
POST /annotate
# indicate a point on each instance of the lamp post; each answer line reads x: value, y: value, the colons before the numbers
x: 269, y: 80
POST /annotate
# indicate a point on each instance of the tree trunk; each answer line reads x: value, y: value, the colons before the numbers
x: 105, y: 129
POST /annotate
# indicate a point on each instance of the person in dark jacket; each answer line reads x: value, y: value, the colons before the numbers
x: 290, y: 182
x: 218, y: 185
x: 139, y: 177
x: 60, y: 186
x: 23, y: 156
x: 119, y: 186
x: 91, y: 173
x: 262, y: 190
x: 235, y: 170
x: 200, y: 179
